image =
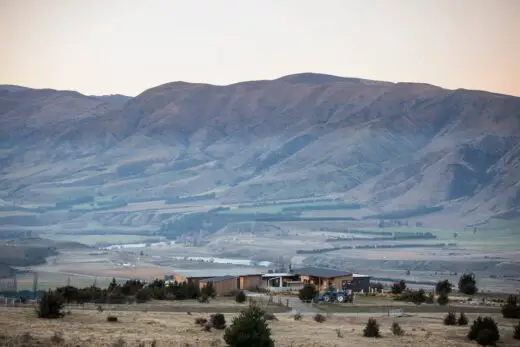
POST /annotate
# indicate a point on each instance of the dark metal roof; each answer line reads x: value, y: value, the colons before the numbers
x: 218, y: 279
x: 321, y: 272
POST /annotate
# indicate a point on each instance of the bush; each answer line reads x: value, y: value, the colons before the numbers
x: 443, y: 299
x: 209, y: 291
x: 443, y: 287
x: 50, y: 305
x: 416, y: 296
x: 240, y: 297
x: 516, y: 334
x: 207, y: 326
x: 397, y: 330
x: 308, y: 292
x: 111, y: 319
x: 491, y: 334
x: 249, y: 329
x: 318, y: 317
x: 203, y: 299
x: 270, y: 316
x: 511, y: 309
x: 398, y: 287
x: 371, y: 329
x: 468, y: 284
x: 200, y: 321
x: 297, y: 316
x: 218, y: 321
x: 463, y: 320
x: 430, y: 299
x: 450, y: 319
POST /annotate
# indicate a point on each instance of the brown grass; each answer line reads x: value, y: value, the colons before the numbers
x: 90, y: 328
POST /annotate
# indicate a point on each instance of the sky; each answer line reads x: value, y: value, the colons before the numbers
x: 127, y: 46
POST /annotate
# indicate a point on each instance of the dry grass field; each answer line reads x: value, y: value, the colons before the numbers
x: 20, y: 327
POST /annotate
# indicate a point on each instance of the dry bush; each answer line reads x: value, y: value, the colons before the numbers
x: 297, y: 316
x: 200, y: 321
x: 207, y: 326
x: 318, y: 317
x: 111, y: 319
x: 397, y: 330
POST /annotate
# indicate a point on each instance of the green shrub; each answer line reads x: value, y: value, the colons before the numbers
x: 240, y: 297
x: 371, y: 329
x: 450, y: 319
x: 397, y: 330
x: 308, y: 292
x: 249, y: 329
x: 111, y: 319
x: 318, y: 317
x: 463, y: 320
x: 468, y: 284
x: 511, y: 309
x: 516, y: 334
x: 443, y: 299
x: 484, y: 330
x: 218, y: 321
x: 50, y: 305
x: 443, y: 287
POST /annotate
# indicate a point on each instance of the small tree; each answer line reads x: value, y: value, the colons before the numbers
x: 468, y: 284
x: 50, y: 305
x: 308, y: 292
x: 463, y: 320
x: 443, y: 287
x: 443, y: 299
x: 484, y: 331
x: 372, y: 329
x: 399, y: 287
x: 218, y: 321
x: 450, y: 319
x: 208, y: 290
x: 249, y: 329
x: 511, y: 309
x: 241, y: 297
x: 397, y: 330
x: 516, y: 334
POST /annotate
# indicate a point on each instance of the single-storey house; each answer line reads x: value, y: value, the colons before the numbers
x: 223, y: 285
x: 323, y: 278
x: 245, y: 280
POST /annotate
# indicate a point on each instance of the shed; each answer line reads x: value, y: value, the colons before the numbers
x: 224, y: 285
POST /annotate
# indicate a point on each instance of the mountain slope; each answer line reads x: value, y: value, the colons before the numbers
x: 391, y: 145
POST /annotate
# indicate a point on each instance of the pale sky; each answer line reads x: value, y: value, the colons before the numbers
x: 127, y: 46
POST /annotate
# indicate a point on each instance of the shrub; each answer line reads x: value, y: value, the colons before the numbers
x: 398, y: 287
x: 468, y: 284
x: 50, y: 305
x: 443, y: 287
x: 516, y: 334
x: 111, y: 319
x: 209, y: 291
x: 203, y: 299
x: 200, y: 321
x: 443, y: 299
x: 218, y: 321
x: 430, y: 299
x: 397, y: 330
x: 270, y: 316
x: 249, y: 329
x: 207, y: 326
x: 490, y: 336
x: 463, y: 320
x: 240, y: 297
x: 450, y: 319
x: 297, y: 316
x: 371, y: 329
x: 318, y: 317
x: 511, y: 309
x: 308, y: 292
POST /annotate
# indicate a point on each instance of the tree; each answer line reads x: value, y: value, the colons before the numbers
x: 371, y: 329
x: 511, y: 309
x: 468, y: 284
x: 450, y: 319
x: 484, y: 331
x: 249, y: 329
x: 113, y: 285
x: 208, y: 290
x: 50, y: 305
x: 443, y: 299
x: 308, y: 292
x: 241, y: 297
x: 399, y: 287
x: 443, y: 287
x: 218, y: 321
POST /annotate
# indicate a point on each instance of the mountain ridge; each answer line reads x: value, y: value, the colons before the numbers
x: 391, y: 145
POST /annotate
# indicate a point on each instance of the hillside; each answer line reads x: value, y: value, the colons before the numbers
x: 391, y: 146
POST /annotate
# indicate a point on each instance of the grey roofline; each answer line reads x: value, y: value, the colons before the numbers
x: 321, y: 272
x: 218, y: 279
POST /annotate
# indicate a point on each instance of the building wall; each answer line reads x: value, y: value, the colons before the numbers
x: 250, y: 282
x: 323, y: 283
x: 222, y: 288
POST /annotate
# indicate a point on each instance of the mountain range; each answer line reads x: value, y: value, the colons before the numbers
x: 392, y: 146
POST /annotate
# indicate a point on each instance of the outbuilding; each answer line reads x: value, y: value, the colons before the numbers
x: 223, y: 285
